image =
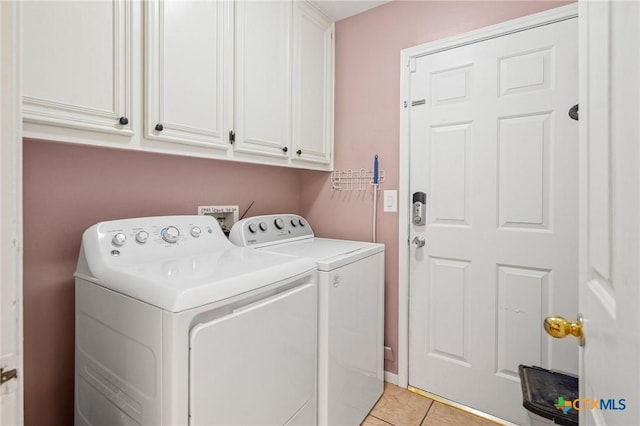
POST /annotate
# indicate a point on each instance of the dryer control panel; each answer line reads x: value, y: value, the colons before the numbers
x: 143, y: 239
x: 260, y: 231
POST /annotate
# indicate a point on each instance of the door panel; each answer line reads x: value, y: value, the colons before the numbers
x: 449, y: 302
x: 496, y: 153
x: 523, y: 171
x: 450, y: 174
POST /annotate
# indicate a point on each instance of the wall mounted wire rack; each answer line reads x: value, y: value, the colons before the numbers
x: 354, y: 180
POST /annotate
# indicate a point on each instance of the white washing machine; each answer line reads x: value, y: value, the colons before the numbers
x: 351, y: 311
x: 175, y: 325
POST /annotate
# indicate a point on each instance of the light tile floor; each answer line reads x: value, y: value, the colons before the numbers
x: 400, y: 407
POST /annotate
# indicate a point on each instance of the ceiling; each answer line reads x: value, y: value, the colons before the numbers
x: 340, y: 9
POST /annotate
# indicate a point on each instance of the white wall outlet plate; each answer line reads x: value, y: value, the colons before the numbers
x: 226, y: 215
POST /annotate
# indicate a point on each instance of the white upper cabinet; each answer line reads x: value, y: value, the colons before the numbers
x: 242, y: 80
x: 76, y: 67
x: 284, y: 83
x: 187, y: 54
x: 312, y: 137
x: 263, y: 77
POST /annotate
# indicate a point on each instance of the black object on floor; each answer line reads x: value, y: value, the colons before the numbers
x: 549, y: 394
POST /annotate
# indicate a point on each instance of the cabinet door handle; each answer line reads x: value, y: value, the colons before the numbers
x: 159, y: 127
x: 123, y: 120
x: 285, y: 149
x: 299, y: 152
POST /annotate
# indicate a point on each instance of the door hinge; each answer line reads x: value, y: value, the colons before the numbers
x: 5, y: 376
x: 232, y: 137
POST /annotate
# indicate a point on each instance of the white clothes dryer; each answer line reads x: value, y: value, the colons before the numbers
x: 177, y: 326
x: 351, y: 311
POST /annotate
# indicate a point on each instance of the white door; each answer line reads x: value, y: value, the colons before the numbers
x: 496, y: 153
x: 10, y: 284
x: 610, y: 202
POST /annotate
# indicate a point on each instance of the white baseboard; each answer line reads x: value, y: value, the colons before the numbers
x: 391, y: 378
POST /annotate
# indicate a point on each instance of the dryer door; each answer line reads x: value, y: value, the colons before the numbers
x: 257, y: 364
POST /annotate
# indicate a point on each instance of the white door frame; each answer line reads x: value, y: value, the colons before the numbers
x: 407, y: 61
x: 11, y: 393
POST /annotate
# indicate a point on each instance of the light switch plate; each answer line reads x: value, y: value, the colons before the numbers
x: 390, y: 199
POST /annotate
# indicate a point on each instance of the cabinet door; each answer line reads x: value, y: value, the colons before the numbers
x: 77, y: 64
x: 312, y: 85
x: 263, y: 77
x: 188, y: 49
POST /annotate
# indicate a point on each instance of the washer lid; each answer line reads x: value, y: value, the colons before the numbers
x: 328, y: 253
x: 181, y: 283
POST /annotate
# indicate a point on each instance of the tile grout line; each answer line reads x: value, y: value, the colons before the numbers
x: 424, y: 419
x: 382, y: 420
x: 457, y: 406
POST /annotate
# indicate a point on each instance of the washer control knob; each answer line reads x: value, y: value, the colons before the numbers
x: 294, y: 223
x: 170, y: 234
x: 253, y: 228
x: 196, y: 231
x: 302, y: 222
x: 119, y: 239
x: 142, y: 237
x: 279, y: 223
x: 263, y: 226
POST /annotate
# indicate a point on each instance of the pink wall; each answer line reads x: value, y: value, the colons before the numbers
x: 367, y: 104
x: 67, y: 188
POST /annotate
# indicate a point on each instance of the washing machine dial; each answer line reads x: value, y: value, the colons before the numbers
x: 263, y: 226
x: 119, y: 239
x: 279, y: 223
x: 302, y: 222
x: 294, y: 223
x: 196, y: 231
x: 142, y: 237
x: 170, y: 234
x: 252, y: 228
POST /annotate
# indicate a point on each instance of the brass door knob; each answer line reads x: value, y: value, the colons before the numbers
x: 558, y: 327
